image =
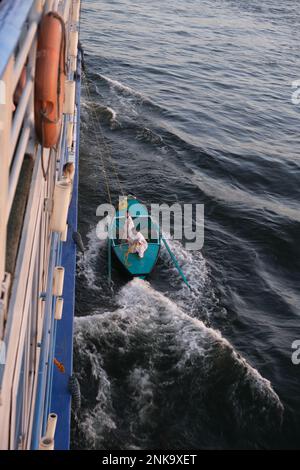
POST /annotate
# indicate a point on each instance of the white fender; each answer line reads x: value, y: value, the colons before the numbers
x: 61, y: 201
x: 69, y: 104
x: 58, y: 281
x: 75, y: 11
x: 73, y: 42
x: 59, y: 308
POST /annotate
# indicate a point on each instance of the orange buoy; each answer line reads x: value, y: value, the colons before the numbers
x: 50, y: 79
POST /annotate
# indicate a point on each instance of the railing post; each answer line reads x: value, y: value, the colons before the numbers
x: 6, y: 108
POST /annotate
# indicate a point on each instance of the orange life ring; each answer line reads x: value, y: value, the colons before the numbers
x: 50, y: 79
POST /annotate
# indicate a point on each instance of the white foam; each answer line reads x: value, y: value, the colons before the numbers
x: 107, y: 109
x: 112, y: 112
x: 86, y: 263
x: 143, y: 309
x: 142, y: 388
x: 95, y: 423
x: 150, y: 136
x: 201, y: 296
x: 121, y: 87
x: 162, y: 327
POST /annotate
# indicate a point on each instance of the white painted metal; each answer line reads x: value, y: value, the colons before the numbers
x: 64, y: 234
x: 61, y: 201
x: 49, y: 6
x: 4, y: 301
x: 55, y: 5
x: 24, y: 313
x: 66, y: 9
x: 22, y: 56
x: 5, y: 118
x: 17, y: 164
x: 51, y: 426
x: 59, y: 308
x: 71, y: 151
x: 46, y: 444
x: 39, y: 6
x: 69, y: 97
x: 19, y: 116
x: 70, y: 134
x: 26, y: 310
x: 75, y: 11
x: 73, y: 43
x: 73, y: 64
x: 20, y: 287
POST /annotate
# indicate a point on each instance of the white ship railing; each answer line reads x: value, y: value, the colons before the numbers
x: 22, y: 310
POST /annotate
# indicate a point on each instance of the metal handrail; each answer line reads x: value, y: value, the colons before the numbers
x: 23, y: 54
x: 18, y: 29
x: 17, y: 165
x: 13, y: 16
x: 22, y: 15
x: 19, y: 116
x: 37, y: 249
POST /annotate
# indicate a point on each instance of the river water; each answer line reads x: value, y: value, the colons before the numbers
x: 194, y: 100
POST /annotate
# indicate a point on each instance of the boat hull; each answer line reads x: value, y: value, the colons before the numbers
x: 132, y: 264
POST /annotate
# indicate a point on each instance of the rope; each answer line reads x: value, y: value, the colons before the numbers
x: 106, y: 179
x: 106, y: 147
x: 108, y: 152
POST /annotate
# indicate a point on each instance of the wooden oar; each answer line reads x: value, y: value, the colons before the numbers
x: 109, y: 256
x: 171, y: 254
x: 175, y: 262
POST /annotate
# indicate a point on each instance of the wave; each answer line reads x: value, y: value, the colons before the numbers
x: 149, y: 372
x: 242, y: 197
x: 87, y: 262
x: 106, y: 112
x: 201, y: 298
x: 112, y: 112
x: 129, y: 94
x: 147, y: 135
x: 121, y: 87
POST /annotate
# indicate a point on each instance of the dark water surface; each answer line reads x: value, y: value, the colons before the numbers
x: 194, y: 98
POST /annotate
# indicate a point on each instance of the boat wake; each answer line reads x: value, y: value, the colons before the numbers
x: 193, y: 264
x: 130, y: 95
x: 115, y: 84
x: 153, y: 376
x: 105, y: 113
x: 87, y: 263
x: 200, y: 301
x: 124, y: 110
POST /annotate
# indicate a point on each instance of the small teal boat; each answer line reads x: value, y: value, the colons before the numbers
x: 133, y: 264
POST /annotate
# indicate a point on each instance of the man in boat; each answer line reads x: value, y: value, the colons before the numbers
x: 128, y: 228
x: 136, y: 240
